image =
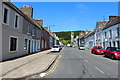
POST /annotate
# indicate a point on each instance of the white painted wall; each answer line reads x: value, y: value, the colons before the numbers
x: 114, y: 36
x: 89, y: 42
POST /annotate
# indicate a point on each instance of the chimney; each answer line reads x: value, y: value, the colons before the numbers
x: 46, y: 28
x: 28, y: 10
x: 40, y: 22
x: 112, y: 17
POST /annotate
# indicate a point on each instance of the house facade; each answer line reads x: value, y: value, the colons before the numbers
x: 90, y: 40
x: 81, y: 37
x: 111, y: 33
x: 0, y: 30
x: 106, y: 34
x: 21, y: 34
x: 98, y: 32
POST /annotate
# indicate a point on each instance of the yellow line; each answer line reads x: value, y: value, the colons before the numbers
x: 53, y: 67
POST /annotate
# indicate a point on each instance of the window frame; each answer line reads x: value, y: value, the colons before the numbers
x: 8, y: 15
x: 27, y: 44
x: 10, y: 43
x: 118, y: 31
x: 110, y: 33
x: 16, y: 14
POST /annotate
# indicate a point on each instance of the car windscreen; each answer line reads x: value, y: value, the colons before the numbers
x: 99, y: 48
x: 81, y: 45
x: 116, y: 49
x: 55, y: 46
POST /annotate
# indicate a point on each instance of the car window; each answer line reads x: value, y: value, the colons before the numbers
x: 116, y: 49
x: 81, y: 45
x: 108, y: 49
x: 99, y: 47
x: 94, y: 47
x: 55, y: 46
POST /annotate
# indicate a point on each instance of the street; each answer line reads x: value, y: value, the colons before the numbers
x: 76, y: 63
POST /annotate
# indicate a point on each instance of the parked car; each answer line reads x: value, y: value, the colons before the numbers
x: 97, y: 50
x: 82, y: 47
x: 55, y: 48
x: 112, y: 52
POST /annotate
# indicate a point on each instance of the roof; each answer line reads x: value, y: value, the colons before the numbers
x: 90, y: 34
x: 112, y: 22
x: 22, y: 14
x: 101, y: 25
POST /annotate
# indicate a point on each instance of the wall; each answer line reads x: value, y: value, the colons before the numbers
x: 0, y: 30
x: 108, y: 39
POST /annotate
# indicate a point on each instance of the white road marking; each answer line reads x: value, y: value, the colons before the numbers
x: 42, y: 74
x: 99, y: 69
x: 86, y: 60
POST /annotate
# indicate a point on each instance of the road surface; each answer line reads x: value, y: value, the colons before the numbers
x: 76, y: 63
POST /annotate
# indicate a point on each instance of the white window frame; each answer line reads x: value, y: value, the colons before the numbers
x: 10, y: 43
x: 16, y: 14
x: 28, y: 30
x: 8, y: 15
x: 33, y: 32
x: 38, y: 45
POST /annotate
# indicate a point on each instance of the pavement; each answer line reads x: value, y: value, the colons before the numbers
x: 26, y: 66
x: 76, y: 63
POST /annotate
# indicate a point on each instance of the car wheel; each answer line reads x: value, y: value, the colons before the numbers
x: 95, y: 53
x: 105, y: 55
x: 112, y: 57
x: 92, y: 52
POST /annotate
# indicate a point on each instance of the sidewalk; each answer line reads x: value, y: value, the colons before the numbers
x: 28, y: 65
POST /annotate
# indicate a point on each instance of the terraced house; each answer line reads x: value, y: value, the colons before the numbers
x: 106, y: 34
x: 21, y: 34
x: 111, y: 33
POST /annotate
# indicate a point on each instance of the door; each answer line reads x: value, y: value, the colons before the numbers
x: 107, y: 51
x: 29, y: 46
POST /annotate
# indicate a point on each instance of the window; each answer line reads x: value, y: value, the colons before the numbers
x: 105, y: 34
x: 118, y: 34
x: 33, y: 33
x: 16, y: 23
x: 38, y: 45
x: 28, y: 30
x: 5, y: 14
x: 110, y: 34
x: 110, y: 44
x: 113, y: 44
x: 118, y: 43
x: 13, y: 44
x: 25, y: 44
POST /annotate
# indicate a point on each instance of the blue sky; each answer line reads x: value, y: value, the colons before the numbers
x: 67, y: 16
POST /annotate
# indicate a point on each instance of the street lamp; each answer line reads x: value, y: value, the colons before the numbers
x: 50, y: 26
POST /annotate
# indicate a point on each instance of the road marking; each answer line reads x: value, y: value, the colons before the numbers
x: 86, y: 60
x: 99, y: 69
x: 42, y: 74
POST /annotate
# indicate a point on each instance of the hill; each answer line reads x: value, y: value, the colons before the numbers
x: 65, y: 36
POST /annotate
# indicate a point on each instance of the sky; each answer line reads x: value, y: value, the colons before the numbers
x: 71, y: 16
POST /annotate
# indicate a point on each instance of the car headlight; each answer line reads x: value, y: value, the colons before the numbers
x: 98, y: 51
x: 116, y: 54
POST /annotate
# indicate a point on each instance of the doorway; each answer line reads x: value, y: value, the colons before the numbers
x: 29, y: 46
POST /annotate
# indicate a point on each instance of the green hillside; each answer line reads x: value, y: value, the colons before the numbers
x: 65, y: 37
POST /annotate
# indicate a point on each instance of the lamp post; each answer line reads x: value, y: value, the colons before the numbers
x: 50, y: 26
